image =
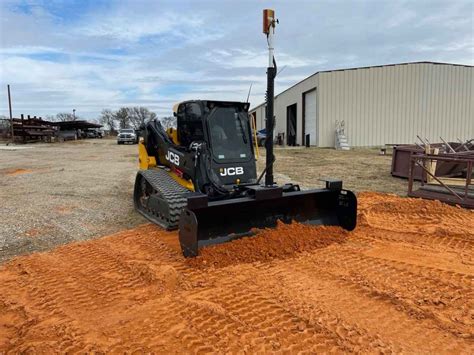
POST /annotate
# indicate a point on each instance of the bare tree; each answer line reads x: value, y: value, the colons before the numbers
x: 107, y: 119
x: 122, y: 117
x: 64, y: 116
x: 126, y: 117
x: 139, y: 115
x: 168, y: 122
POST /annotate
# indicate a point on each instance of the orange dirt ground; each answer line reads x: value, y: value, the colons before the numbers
x: 18, y: 172
x: 401, y: 282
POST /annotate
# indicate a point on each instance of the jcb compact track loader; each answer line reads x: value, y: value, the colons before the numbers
x: 201, y: 177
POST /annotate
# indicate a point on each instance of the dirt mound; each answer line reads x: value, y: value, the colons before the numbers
x: 268, y: 244
x: 402, y: 282
x: 414, y: 216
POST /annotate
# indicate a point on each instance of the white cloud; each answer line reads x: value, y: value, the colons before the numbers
x: 240, y: 58
x: 156, y: 53
x: 16, y: 50
x: 123, y: 26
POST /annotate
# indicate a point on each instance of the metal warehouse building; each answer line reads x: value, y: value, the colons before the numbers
x: 387, y: 104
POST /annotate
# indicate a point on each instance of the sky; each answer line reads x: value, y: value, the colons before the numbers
x: 91, y: 55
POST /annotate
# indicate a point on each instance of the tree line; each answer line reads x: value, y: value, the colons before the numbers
x: 125, y: 117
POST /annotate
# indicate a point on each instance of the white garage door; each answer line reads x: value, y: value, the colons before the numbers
x: 310, y: 116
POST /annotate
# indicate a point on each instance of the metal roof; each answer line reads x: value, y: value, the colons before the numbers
x: 366, y: 67
x: 80, y: 124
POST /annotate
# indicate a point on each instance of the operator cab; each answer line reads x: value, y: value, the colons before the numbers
x: 230, y: 137
x: 225, y: 126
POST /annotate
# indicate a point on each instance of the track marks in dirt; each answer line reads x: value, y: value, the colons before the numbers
x: 78, y: 282
x: 243, y: 317
x: 385, y: 212
x: 432, y: 298
x: 381, y: 288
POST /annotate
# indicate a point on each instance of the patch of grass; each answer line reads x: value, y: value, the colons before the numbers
x: 360, y: 169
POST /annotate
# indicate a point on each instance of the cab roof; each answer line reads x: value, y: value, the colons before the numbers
x: 246, y: 105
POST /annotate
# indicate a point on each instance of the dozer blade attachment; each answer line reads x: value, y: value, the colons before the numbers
x: 204, y: 223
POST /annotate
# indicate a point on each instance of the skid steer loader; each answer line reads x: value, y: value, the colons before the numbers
x: 201, y: 176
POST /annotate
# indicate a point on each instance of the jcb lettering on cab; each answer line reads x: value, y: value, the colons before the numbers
x: 239, y: 170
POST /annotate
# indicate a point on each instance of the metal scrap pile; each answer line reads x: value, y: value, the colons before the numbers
x: 35, y: 129
x: 32, y: 129
x: 445, y: 170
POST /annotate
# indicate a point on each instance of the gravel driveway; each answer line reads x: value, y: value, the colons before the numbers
x: 54, y: 194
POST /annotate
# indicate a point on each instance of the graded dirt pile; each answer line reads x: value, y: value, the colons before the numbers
x: 403, y: 281
x: 269, y: 244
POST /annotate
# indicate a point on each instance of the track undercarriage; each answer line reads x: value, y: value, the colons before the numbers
x: 159, y: 198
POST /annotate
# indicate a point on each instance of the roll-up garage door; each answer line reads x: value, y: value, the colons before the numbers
x: 310, y: 116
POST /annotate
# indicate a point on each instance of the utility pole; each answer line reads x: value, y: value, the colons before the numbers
x: 73, y: 114
x: 11, y: 116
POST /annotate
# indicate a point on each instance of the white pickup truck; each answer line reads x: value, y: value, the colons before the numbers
x: 127, y: 135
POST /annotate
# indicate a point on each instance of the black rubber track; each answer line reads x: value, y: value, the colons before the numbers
x: 159, y: 182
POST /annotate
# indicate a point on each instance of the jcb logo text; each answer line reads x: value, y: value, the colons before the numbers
x: 232, y: 171
x: 172, y: 157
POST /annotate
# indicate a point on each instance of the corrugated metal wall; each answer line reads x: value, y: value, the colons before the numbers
x: 392, y: 104
x: 282, y: 101
x: 387, y: 104
x: 291, y: 97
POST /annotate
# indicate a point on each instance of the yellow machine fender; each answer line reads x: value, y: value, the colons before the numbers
x: 144, y: 160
